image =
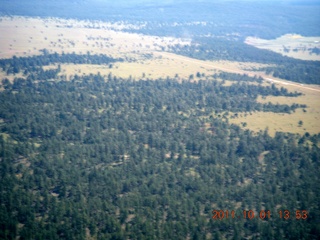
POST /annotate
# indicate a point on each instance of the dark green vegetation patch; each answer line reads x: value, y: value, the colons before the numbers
x: 120, y: 159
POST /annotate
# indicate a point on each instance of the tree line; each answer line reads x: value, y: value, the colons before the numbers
x: 110, y: 158
x: 27, y: 65
x: 213, y: 48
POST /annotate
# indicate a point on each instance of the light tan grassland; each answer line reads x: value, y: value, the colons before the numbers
x: 286, y: 122
x: 145, y: 69
x: 27, y: 36
x: 22, y: 36
x: 290, y: 45
x: 160, y: 66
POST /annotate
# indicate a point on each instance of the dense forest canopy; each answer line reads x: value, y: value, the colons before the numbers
x: 108, y: 158
x: 93, y: 156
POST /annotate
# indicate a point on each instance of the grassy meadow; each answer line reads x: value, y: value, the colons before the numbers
x: 145, y: 57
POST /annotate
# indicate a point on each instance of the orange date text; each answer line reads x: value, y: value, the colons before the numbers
x: 263, y: 214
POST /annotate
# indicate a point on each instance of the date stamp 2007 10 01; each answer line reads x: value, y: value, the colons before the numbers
x: 263, y: 214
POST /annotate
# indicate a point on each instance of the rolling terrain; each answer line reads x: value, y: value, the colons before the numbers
x: 145, y: 57
x: 159, y: 120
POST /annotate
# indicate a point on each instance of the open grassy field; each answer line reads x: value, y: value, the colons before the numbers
x: 146, y: 58
x: 290, y: 45
x: 22, y: 36
x: 144, y: 69
x: 161, y: 65
x: 27, y: 36
x: 286, y: 122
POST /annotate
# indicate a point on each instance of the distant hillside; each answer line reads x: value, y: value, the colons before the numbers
x: 247, y: 18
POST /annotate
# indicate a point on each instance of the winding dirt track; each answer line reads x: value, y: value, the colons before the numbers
x: 291, y: 84
x: 212, y: 65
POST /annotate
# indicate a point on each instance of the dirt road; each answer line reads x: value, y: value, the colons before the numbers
x: 233, y: 70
